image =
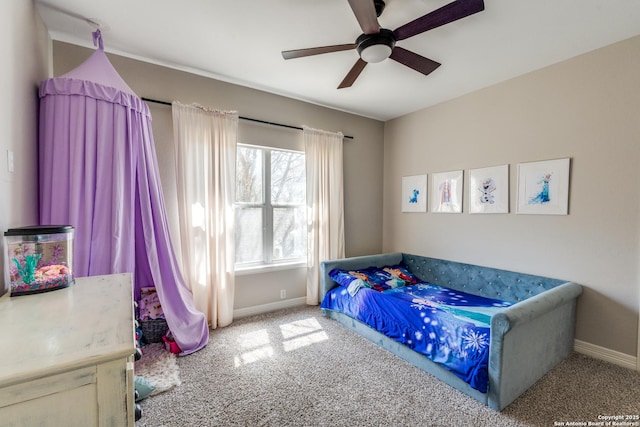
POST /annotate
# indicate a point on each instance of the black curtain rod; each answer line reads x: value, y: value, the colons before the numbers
x: 243, y: 118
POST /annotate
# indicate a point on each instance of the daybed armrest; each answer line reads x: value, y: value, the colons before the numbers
x: 380, y: 260
x: 528, y: 339
x: 533, y: 307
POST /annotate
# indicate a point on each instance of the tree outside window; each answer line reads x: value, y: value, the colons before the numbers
x: 270, y: 206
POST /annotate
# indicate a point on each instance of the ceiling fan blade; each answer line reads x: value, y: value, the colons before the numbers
x: 448, y: 13
x: 353, y: 74
x: 413, y: 60
x: 300, y: 53
x: 365, y: 12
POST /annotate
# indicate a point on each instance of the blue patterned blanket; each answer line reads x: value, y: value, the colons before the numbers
x: 449, y: 327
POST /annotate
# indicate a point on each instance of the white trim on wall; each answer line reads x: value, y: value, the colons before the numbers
x: 602, y: 353
x: 266, y: 308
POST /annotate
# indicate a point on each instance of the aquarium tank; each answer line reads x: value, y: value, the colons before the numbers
x: 38, y: 258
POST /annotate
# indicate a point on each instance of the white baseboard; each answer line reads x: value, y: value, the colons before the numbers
x: 602, y: 353
x: 266, y: 308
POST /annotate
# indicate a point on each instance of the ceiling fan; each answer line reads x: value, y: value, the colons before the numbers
x: 377, y: 44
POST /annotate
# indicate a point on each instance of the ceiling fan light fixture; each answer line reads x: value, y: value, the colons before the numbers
x: 375, y: 53
x: 374, y: 48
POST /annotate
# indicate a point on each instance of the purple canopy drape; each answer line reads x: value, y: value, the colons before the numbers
x: 99, y: 173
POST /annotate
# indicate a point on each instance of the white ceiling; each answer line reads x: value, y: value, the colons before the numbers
x: 240, y: 41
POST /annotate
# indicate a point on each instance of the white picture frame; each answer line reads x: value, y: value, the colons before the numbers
x: 489, y: 190
x: 446, y: 192
x: 543, y: 187
x: 414, y: 193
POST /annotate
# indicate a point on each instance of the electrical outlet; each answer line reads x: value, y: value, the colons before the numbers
x: 283, y: 293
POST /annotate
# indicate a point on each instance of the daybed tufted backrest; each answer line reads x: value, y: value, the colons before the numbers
x: 474, y: 279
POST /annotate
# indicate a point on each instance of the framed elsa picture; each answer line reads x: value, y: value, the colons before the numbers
x: 543, y: 187
x: 489, y: 190
x: 414, y: 193
x: 446, y: 192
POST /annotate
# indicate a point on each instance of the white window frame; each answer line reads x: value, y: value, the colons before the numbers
x: 268, y: 263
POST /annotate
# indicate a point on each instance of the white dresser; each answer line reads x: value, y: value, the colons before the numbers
x: 66, y: 355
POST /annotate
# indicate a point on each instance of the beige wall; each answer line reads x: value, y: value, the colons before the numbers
x: 363, y: 195
x: 24, y: 48
x: 586, y: 108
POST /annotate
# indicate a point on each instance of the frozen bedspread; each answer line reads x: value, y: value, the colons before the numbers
x: 449, y: 327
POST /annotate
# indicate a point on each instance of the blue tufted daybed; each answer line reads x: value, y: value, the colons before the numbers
x: 527, y: 338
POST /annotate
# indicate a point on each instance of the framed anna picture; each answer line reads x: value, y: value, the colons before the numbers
x: 446, y: 192
x: 543, y: 187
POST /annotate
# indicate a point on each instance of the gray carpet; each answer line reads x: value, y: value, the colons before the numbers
x: 297, y: 368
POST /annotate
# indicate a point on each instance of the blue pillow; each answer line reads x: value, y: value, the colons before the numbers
x: 402, y: 273
x: 349, y: 280
x: 376, y: 278
x: 342, y: 277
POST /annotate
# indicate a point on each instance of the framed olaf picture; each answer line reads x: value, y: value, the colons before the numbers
x: 489, y: 190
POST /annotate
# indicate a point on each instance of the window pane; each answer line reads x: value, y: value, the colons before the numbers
x: 249, y: 175
x: 248, y: 235
x: 287, y: 178
x: 289, y: 233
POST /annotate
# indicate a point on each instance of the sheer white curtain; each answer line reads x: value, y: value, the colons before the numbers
x: 205, y: 142
x: 325, y: 204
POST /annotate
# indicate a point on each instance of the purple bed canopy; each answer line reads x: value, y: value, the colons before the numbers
x: 99, y: 173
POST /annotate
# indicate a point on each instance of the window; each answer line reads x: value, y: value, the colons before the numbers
x: 270, y: 206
